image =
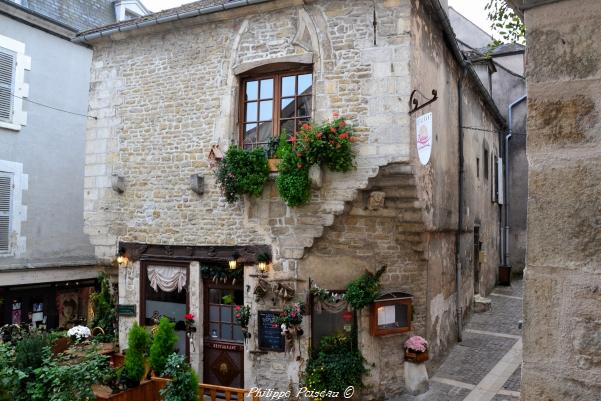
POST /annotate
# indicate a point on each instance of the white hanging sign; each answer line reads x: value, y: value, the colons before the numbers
x: 423, y: 132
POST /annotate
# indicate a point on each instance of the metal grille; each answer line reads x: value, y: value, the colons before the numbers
x: 6, y: 186
x: 7, y: 72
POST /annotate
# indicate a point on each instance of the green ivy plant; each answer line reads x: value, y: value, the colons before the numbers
x: 163, y: 345
x: 10, y: 376
x: 242, y: 172
x: 336, y: 366
x: 364, y: 290
x: 184, y: 382
x: 138, y: 342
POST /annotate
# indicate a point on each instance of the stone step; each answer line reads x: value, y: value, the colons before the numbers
x: 392, y: 182
x: 397, y: 169
x: 410, y: 216
x: 404, y: 192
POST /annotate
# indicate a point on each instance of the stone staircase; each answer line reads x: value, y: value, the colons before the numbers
x: 301, y: 226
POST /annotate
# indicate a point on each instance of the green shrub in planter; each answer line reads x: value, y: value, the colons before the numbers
x: 138, y: 341
x: 242, y: 172
x: 336, y: 366
x: 31, y: 351
x: 163, y: 345
x: 104, y: 310
x: 184, y: 382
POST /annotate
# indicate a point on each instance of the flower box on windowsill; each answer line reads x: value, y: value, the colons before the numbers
x: 416, y: 356
x: 272, y: 164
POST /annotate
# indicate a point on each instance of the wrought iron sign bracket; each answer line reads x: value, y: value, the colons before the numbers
x: 414, y: 103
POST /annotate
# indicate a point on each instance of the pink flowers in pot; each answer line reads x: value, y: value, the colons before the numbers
x: 417, y: 344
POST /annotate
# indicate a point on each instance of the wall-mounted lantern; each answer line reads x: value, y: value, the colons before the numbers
x: 263, y: 262
x: 233, y: 262
x: 197, y: 183
x: 122, y: 259
x: 391, y: 314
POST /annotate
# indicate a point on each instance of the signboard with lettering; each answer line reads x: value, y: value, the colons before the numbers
x: 126, y: 310
x: 423, y: 132
x: 270, y: 333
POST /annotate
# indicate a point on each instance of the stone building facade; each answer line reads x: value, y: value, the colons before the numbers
x: 562, y: 301
x: 165, y: 94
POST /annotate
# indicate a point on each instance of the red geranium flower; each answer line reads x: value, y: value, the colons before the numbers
x: 306, y: 126
x: 353, y: 139
x: 237, y: 307
x: 335, y: 114
x: 342, y: 123
x: 189, y: 316
x: 293, y: 139
x: 344, y: 135
x: 332, y: 129
x: 319, y: 135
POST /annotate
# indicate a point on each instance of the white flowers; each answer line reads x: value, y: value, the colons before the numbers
x: 79, y: 332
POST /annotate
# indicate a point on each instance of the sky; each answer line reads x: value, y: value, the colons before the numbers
x: 472, y: 9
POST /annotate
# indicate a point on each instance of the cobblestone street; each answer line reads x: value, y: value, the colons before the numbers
x: 486, y: 365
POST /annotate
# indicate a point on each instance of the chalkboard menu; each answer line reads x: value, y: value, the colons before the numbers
x: 270, y: 333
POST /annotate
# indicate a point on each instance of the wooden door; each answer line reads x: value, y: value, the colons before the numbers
x: 223, y: 339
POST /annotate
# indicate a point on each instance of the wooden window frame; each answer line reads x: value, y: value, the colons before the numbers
x: 276, y: 72
x: 373, y: 317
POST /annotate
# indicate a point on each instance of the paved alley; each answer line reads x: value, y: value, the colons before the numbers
x: 486, y: 365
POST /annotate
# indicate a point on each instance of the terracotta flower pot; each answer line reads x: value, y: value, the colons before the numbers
x: 416, y: 356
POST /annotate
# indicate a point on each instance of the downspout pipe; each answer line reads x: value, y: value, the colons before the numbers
x: 459, y: 205
x: 506, y: 261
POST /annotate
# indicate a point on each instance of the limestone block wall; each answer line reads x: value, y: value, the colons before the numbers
x: 562, y: 300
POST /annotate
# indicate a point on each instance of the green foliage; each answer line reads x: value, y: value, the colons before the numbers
x: 228, y: 299
x: 64, y: 378
x: 138, y: 341
x: 242, y: 172
x: 103, y: 305
x: 293, y: 181
x: 163, y: 345
x: 505, y: 22
x: 336, y: 366
x: 220, y: 273
x: 54, y: 335
x: 328, y: 144
x: 31, y: 351
x: 10, y: 376
x: 184, y: 383
x: 364, y: 290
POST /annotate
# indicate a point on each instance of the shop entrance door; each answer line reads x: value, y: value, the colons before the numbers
x: 223, y: 339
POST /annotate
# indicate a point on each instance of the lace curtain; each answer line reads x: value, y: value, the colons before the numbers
x: 167, y: 278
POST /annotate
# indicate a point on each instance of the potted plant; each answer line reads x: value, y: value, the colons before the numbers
x: 416, y: 349
x: 183, y: 385
x: 291, y: 318
x: 136, y: 365
x: 79, y: 333
x: 163, y: 345
x: 364, y: 290
x: 242, y: 316
x: 241, y: 172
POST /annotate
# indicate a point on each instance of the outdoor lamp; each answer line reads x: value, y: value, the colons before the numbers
x: 233, y: 262
x: 122, y: 259
x: 262, y: 266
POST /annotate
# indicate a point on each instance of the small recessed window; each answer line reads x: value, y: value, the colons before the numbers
x: 477, y: 167
x: 391, y: 314
x: 485, y: 158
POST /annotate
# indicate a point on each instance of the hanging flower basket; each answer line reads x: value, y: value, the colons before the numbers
x: 416, y: 356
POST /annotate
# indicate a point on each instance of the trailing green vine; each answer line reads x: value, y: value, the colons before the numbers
x: 242, y: 172
x: 364, y: 290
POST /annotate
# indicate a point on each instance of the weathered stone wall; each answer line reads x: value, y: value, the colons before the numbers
x: 562, y: 304
x: 433, y: 67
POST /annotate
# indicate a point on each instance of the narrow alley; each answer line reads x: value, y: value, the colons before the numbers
x: 486, y: 365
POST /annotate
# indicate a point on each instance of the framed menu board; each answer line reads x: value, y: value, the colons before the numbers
x: 270, y: 334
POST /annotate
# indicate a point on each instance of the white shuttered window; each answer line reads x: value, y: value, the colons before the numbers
x: 6, y: 192
x: 7, y: 83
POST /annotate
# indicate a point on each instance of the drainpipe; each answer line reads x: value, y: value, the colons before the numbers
x: 506, y: 177
x: 460, y: 207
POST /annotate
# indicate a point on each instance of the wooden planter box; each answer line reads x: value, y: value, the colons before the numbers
x: 416, y: 356
x: 144, y: 392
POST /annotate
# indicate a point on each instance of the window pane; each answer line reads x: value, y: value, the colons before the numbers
x: 238, y: 334
x: 266, y: 110
x: 214, y: 330
x: 214, y: 313
x: 214, y: 295
x: 303, y: 106
x: 288, y: 88
x: 266, y: 88
x: 252, y: 90
x: 287, y: 108
x: 251, y: 111
x: 226, y: 331
x: 287, y: 125
x: 226, y: 313
x: 265, y: 132
x: 250, y: 134
x: 238, y: 297
x: 305, y: 82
